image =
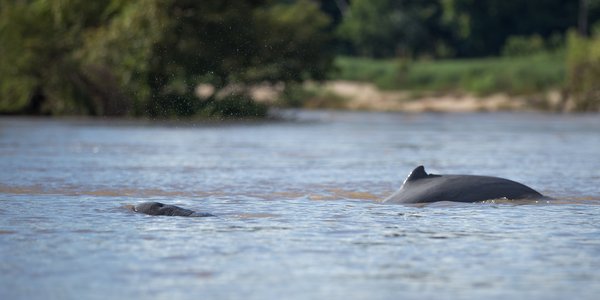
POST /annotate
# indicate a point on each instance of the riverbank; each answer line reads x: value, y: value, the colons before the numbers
x: 354, y: 95
x: 523, y: 83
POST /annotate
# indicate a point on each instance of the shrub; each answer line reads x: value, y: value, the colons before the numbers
x: 523, y: 45
x: 583, y: 71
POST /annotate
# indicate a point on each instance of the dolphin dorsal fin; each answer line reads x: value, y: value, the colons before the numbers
x: 417, y: 173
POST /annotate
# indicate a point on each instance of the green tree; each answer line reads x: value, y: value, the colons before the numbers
x: 116, y: 57
x: 383, y: 28
x: 235, y: 42
x: 38, y: 70
x: 482, y: 28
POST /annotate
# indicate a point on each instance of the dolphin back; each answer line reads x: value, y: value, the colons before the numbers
x: 420, y: 187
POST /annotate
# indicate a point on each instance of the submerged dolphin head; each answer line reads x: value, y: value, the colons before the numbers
x: 160, y: 209
x: 420, y: 187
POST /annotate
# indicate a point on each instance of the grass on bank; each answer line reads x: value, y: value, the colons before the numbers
x: 513, y: 75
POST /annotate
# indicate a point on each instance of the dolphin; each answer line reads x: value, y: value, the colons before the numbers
x: 420, y: 187
x: 160, y: 209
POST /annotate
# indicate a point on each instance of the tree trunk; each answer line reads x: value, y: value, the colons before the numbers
x: 583, y: 18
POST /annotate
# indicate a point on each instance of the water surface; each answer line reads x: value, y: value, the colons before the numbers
x: 298, y: 208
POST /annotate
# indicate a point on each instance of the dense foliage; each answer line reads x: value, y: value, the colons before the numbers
x: 387, y: 28
x: 119, y: 57
x: 456, y: 28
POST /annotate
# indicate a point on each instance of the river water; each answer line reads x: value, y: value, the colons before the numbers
x: 297, y: 205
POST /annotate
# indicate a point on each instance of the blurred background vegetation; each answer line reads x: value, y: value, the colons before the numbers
x: 149, y: 57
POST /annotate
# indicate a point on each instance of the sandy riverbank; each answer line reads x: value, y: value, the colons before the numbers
x: 353, y: 95
x: 366, y: 96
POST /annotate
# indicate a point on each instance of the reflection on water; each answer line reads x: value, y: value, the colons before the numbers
x: 297, y: 205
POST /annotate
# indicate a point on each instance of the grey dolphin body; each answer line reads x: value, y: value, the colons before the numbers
x: 160, y: 209
x: 420, y: 187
